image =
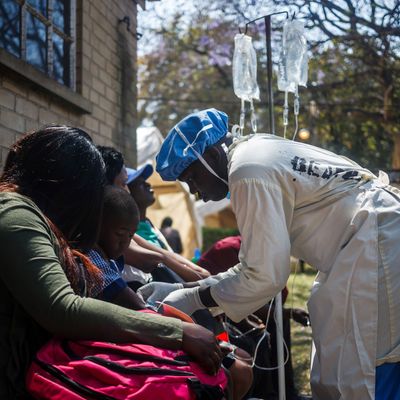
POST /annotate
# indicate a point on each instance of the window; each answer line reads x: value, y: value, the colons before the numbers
x: 42, y: 33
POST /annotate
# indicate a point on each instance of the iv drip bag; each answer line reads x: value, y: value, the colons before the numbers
x: 293, y: 60
x: 292, y: 68
x: 245, y: 69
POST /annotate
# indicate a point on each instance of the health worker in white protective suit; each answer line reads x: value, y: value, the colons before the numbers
x: 293, y: 198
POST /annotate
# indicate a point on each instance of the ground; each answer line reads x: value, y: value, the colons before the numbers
x: 299, y: 286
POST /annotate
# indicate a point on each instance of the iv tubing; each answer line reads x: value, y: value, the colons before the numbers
x: 279, y: 345
x: 296, y: 107
x: 285, y: 115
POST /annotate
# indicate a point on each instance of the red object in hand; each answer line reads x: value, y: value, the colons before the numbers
x: 223, y: 336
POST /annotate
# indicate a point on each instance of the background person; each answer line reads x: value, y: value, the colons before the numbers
x: 143, y: 194
x: 116, y: 173
x: 180, y: 269
x: 172, y: 235
x: 293, y: 198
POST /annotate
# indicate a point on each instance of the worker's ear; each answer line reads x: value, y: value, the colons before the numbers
x: 215, y: 153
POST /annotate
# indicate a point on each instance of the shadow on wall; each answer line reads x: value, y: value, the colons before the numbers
x: 125, y: 135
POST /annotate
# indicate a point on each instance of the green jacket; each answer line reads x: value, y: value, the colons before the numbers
x: 37, y: 301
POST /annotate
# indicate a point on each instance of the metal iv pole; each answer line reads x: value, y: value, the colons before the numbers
x: 278, y: 298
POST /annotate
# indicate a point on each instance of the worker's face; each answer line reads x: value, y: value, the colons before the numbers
x: 202, y: 182
x: 116, y: 234
x: 121, y: 179
x: 142, y: 192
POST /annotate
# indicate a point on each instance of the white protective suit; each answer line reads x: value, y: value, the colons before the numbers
x: 293, y: 198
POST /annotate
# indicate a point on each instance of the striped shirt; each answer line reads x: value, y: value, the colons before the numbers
x: 111, y: 270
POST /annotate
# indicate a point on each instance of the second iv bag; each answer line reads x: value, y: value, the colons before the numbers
x: 244, y: 68
x: 293, y: 66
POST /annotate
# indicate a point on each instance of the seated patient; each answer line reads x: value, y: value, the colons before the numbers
x: 41, y: 284
x: 143, y: 257
x: 119, y: 223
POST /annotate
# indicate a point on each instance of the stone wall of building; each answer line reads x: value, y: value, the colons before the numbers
x: 104, y: 102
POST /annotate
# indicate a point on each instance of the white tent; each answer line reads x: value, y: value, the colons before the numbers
x: 203, y: 209
x: 148, y: 142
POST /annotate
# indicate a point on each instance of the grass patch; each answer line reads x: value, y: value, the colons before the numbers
x: 301, y: 336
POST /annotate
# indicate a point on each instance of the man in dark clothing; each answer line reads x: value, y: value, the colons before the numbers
x: 222, y: 255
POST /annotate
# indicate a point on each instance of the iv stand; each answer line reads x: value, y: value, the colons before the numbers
x: 267, y: 21
x: 278, y: 298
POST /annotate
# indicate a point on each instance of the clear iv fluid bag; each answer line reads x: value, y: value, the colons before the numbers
x: 244, y: 68
x: 293, y: 59
x: 292, y: 68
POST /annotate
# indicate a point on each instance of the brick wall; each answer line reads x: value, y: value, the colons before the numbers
x: 105, y: 100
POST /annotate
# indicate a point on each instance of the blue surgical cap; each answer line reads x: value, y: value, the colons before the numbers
x: 202, y: 129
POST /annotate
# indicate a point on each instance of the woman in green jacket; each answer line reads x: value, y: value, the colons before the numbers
x: 50, y: 201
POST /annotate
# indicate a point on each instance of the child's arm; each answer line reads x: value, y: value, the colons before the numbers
x: 146, y: 256
x: 141, y: 257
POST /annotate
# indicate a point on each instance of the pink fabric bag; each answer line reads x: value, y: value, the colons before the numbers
x: 77, y: 370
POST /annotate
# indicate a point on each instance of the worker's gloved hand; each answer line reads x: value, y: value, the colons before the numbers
x: 209, y: 281
x: 186, y: 300
x: 157, y: 291
x: 214, y: 279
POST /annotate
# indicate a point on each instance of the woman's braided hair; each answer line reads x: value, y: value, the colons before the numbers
x: 60, y: 169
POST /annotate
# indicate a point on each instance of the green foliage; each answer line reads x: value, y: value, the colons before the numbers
x: 189, y: 67
x: 349, y: 120
x: 354, y: 77
x: 212, y: 235
x: 180, y: 77
x: 353, y: 71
